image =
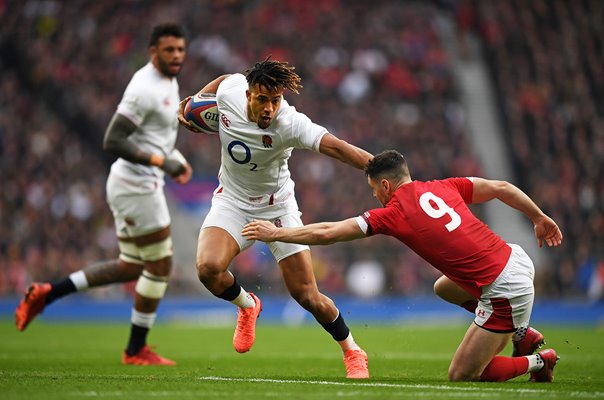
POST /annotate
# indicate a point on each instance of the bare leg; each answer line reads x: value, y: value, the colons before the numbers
x: 300, y: 281
x: 449, y: 291
x: 475, y: 352
x: 216, y: 248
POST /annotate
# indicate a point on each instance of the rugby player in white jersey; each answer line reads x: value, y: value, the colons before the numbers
x: 142, y: 133
x: 258, y: 131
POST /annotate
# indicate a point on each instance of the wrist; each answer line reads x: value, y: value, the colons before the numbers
x: 157, y: 160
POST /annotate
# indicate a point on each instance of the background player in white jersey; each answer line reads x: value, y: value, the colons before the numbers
x: 142, y: 133
x: 432, y: 218
x: 258, y: 131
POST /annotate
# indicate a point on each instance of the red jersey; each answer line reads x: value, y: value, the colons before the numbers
x: 432, y: 218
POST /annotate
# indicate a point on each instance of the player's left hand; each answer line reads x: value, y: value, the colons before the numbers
x: 181, y: 115
x: 259, y: 230
x: 547, y: 230
x: 185, y: 177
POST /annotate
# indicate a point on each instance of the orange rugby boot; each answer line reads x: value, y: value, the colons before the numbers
x: 32, y: 304
x: 146, y: 357
x: 245, y: 333
x: 357, y: 366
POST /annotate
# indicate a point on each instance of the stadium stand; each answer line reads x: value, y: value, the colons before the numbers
x: 378, y: 77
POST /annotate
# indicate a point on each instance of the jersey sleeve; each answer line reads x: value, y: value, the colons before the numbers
x: 230, y: 83
x: 376, y: 221
x: 465, y: 187
x: 135, y: 104
x: 302, y: 132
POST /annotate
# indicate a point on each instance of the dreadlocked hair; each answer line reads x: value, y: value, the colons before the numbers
x: 275, y: 75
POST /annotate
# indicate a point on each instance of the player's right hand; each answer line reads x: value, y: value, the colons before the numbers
x: 173, y: 167
x: 181, y: 115
x: 547, y: 230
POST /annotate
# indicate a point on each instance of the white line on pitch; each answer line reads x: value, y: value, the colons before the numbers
x: 408, y: 386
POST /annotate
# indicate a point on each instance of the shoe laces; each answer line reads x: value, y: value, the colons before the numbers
x: 354, y: 360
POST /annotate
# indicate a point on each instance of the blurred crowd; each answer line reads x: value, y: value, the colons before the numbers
x: 546, y: 58
x: 375, y: 73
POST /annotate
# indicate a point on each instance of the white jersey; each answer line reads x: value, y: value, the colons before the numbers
x: 254, y: 166
x: 151, y: 102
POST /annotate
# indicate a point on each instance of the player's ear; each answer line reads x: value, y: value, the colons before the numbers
x: 385, y: 185
x: 248, y: 94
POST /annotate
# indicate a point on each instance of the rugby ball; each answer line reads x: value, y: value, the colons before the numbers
x: 202, y: 112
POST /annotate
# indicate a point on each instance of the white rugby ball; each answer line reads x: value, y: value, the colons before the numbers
x: 202, y: 112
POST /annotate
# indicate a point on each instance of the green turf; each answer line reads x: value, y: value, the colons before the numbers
x: 70, y: 361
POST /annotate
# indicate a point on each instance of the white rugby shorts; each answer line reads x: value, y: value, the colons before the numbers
x: 136, y: 213
x: 226, y: 214
x: 506, y: 304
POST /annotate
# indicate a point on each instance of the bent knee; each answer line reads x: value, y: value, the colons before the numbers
x: 440, y: 286
x: 208, y: 270
x: 461, y: 375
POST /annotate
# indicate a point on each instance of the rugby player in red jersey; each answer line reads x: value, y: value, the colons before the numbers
x: 433, y: 219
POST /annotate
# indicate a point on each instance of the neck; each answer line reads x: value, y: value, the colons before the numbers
x: 401, y: 183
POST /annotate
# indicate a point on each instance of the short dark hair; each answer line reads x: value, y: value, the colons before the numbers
x: 389, y: 164
x: 166, y: 29
x: 273, y: 74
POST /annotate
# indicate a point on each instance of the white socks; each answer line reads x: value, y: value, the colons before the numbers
x: 146, y: 320
x: 349, y: 344
x: 244, y: 300
x: 79, y: 280
x: 535, y: 363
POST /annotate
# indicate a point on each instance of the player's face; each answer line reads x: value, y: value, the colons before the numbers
x: 381, y: 190
x: 262, y: 104
x: 168, y: 55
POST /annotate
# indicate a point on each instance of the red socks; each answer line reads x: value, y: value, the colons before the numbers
x: 502, y: 368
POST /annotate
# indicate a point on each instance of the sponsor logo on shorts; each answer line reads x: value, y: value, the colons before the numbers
x: 278, y: 223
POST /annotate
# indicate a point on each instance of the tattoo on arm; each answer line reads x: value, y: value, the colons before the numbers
x: 116, y: 141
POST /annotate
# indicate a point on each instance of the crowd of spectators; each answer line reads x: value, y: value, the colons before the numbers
x: 376, y: 76
x: 546, y: 58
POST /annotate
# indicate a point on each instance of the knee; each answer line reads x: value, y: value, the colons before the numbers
x: 162, y: 267
x: 460, y: 375
x: 305, y: 299
x: 207, y: 270
x: 439, y: 287
x: 310, y: 300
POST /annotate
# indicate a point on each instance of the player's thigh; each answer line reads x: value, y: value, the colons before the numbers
x: 281, y: 250
x: 216, y: 248
x: 138, y: 214
x: 450, y: 291
x: 506, y: 304
x: 220, y: 238
x: 476, y: 350
x: 143, y: 229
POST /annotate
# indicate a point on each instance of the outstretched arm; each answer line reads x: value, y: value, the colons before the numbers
x: 545, y: 228
x: 344, y: 151
x: 319, y: 233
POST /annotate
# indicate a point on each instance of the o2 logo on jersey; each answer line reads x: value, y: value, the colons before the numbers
x: 241, y: 153
x: 427, y: 201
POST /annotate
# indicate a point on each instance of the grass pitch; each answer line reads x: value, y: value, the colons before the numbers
x: 74, y: 361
